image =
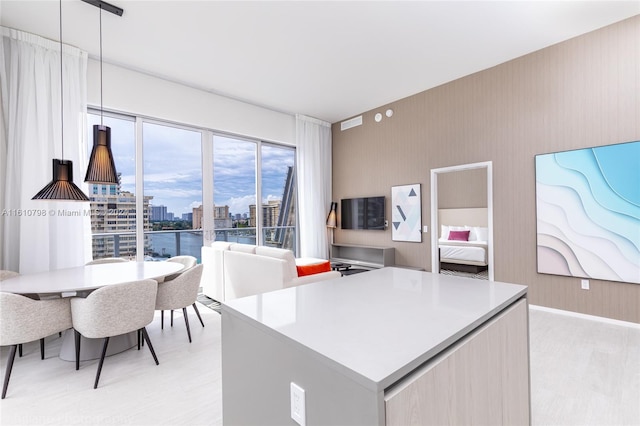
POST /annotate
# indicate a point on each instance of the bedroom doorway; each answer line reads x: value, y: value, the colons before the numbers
x: 444, y: 174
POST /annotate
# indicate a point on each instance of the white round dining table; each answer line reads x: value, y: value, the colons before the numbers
x: 69, y: 281
x: 81, y: 280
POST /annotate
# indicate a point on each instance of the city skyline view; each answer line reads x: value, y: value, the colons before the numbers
x: 173, y: 172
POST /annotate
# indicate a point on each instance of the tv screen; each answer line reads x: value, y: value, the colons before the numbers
x: 362, y: 213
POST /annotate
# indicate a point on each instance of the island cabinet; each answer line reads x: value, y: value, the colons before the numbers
x: 390, y: 346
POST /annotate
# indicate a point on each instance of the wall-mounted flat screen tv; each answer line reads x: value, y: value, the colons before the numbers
x: 362, y: 213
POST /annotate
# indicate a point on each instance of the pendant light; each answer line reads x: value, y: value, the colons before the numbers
x: 102, y: 169
x: 62, y: 186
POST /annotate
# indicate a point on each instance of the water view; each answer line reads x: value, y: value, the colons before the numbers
x: 163, y: 244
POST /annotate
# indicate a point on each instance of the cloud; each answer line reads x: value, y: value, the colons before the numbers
x: 172, y: 160
x: 238, y: 204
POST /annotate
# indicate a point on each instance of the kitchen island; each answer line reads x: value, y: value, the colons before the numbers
x: 389, y: 346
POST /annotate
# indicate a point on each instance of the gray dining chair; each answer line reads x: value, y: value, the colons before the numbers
x: 24, y: 320
x: 5, y: 275
x: 106, y: 260
x: 179, y: 293
x: 114, y: 310
x: 186, y: 261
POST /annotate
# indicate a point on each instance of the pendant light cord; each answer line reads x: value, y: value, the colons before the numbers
x: 101, y: 106
x: 61, y: 87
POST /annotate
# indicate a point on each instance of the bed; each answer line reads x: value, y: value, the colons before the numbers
x: 463, y: 239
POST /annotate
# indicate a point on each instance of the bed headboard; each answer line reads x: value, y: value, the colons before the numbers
x: 460, y: 217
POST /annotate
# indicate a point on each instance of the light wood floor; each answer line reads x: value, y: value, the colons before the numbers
x: 582, y: 372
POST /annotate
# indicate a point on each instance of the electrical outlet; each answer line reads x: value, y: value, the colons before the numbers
x: 425, y: 229
x: 297, y: 404
x: 584, y: 284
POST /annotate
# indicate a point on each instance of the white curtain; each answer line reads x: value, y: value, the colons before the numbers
x: 313, y: 142
x: 41, y: 235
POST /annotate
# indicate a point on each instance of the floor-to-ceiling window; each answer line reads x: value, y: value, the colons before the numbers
x: 254, y: 190
x: 242, y: 169
x: 113, y: 207
x: 278, y: 195
x: 172, y: 170
x: 234, y: 189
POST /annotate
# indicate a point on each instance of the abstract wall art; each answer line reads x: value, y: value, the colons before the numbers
x: 406, y: 213
x: 588, y: 212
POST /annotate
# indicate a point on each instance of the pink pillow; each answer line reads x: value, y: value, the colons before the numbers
x: 459, y: 235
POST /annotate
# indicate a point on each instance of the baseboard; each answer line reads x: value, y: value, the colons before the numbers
x: 586, y: 316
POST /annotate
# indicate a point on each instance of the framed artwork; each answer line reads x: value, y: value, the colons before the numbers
x: 406, y: 213
x: 588, y: 212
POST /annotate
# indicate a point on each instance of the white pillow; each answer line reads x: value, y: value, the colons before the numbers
x: 482, y: 233
x: 444, y: 232
x: 472, y: 232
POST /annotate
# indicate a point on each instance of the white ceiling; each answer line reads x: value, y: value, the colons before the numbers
x: 330, y: 60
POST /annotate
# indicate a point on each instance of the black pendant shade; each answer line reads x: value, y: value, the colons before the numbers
x: 102, y: 169
x: 62, y: 186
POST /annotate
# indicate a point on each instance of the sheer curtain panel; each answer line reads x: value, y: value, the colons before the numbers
x: 313, y: 147
x: 41, y: 235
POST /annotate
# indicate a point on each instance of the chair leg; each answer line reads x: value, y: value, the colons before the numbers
x: 198, y: 313
x: 42, y: 348
x: 76, y: 334
x: 104, y: 352
x: 7, y: 374
x: 186, y: 321
x: 138, y: 335
x: 146, y: 337
x: 20, y: 350
x: 161, y: 320
x: 172, y: 318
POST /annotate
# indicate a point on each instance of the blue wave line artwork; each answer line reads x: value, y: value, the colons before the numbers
x: 588, y: 212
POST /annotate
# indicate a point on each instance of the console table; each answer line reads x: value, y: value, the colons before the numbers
x: 420, y: 348
x: 369, y: 257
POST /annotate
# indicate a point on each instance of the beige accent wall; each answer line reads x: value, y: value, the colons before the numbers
x: 463, y: 188
x: 580, y: 93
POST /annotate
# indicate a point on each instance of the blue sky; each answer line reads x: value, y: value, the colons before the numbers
x: 172, y: 166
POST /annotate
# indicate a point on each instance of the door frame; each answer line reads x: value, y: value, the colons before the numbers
x: 435, y: 267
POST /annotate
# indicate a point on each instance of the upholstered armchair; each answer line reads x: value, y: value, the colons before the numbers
x: 114, y: 310
x: 179, y: 293
x: 25, y: 320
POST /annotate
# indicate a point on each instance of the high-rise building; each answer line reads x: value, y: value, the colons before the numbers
x: 158, y: 213
x: 221, y: 217
x: 196, y: 216
x: 270, y: 213
x: 187, y: 217
x: 113, y: 211
x: 278, y: 216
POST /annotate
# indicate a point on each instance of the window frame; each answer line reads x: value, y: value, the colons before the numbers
x: 207, y: 151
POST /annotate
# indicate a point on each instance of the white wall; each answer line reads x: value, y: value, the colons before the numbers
x: 141, y: 94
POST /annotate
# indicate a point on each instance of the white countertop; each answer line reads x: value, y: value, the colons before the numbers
x: 377, y: 326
